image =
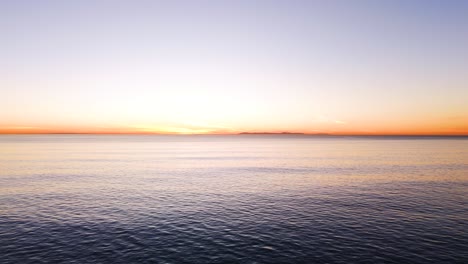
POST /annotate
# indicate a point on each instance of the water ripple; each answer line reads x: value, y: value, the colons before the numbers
x: 356, y: 206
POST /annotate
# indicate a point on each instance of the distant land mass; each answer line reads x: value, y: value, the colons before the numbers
x: 271, y: 133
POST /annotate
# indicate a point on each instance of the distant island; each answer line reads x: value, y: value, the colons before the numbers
x: 270, y: 133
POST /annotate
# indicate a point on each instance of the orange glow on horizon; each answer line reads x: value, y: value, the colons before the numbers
x: 314, y: 68
x: 206, y: 131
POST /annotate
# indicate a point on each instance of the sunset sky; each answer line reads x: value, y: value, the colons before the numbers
x: 340, y: 67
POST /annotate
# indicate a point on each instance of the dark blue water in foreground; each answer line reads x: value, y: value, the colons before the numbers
x: 233, y: 199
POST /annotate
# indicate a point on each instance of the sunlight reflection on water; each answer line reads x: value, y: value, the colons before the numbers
x: 217, y: 199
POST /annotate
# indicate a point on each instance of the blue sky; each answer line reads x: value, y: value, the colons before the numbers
x: 227, y: 66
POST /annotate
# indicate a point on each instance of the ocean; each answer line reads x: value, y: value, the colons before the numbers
x: 233, y: 199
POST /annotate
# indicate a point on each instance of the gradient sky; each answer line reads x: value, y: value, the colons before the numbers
x: 343, y: 67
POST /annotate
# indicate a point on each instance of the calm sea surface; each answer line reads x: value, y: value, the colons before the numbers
x: 233, y: 199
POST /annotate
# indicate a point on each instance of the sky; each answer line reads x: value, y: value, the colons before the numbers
x: 199, y: 66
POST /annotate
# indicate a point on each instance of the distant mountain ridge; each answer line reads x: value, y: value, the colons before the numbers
x: 271, y: 133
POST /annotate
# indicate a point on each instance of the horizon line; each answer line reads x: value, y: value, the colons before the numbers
x: 241, y: 134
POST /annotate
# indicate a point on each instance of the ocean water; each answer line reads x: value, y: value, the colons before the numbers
x: 233, y: 199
